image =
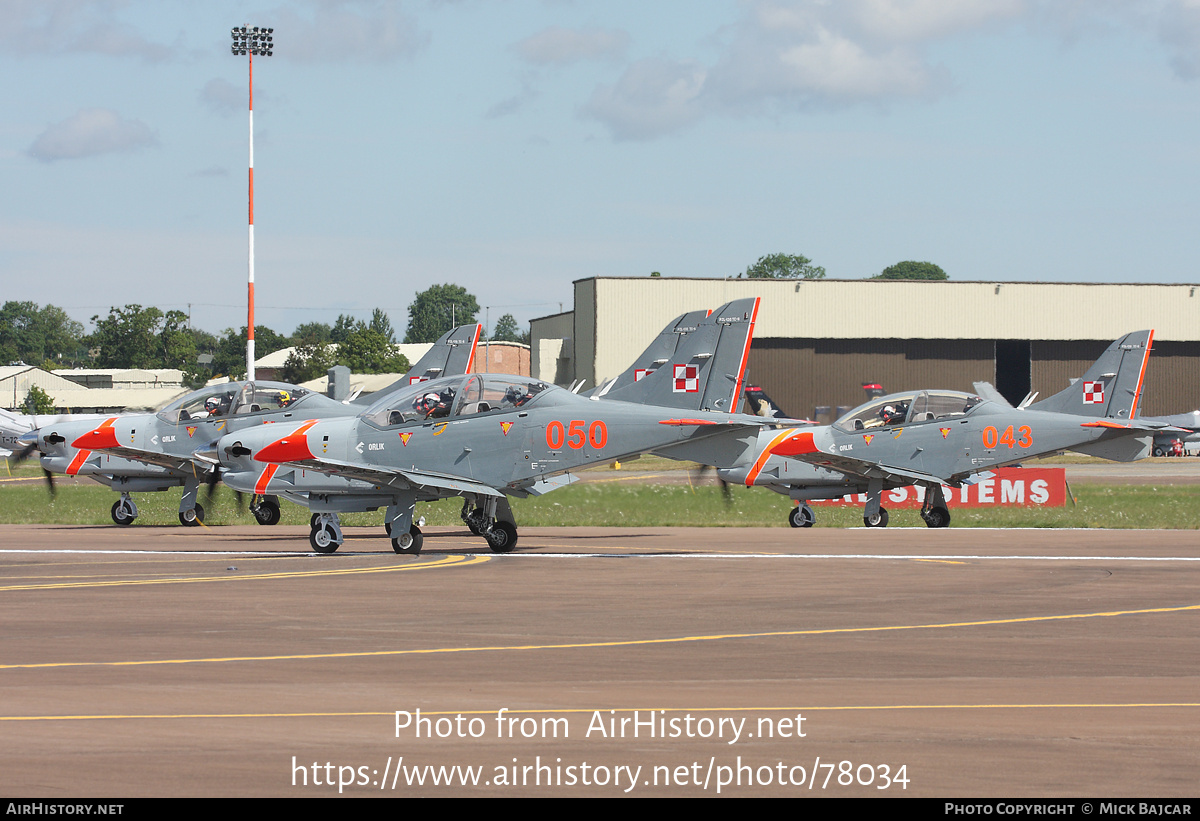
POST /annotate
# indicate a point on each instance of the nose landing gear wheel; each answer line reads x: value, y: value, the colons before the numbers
x: 121, y: 514
x: 193, y: 517
x: 502, y: 538
x: 409, y: 543
x: 323, y: 540
x: 879, y: 520
x: 266, y: 513
x: 937, y: 517
x: 801, y: 516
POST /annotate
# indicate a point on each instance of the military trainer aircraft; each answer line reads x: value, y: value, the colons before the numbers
x: 933, y: 438
x: 140, y: 453
x: 486, y: 437
x: 1189, y: 431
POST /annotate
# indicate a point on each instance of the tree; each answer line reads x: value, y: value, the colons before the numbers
x: 308, y: 360
x: 311, y: 332
x: 507, y: 330
x: 438, y: 309
x: 368, y: 351
x: 128, y: 337
x: 38, y: 401
x: 912, y: 270
x: 229, y: 358
x: 342, y: 328
x: 32, y: 334
x: 381, y: 323
x: 177, y: 343
x: 784, y: 266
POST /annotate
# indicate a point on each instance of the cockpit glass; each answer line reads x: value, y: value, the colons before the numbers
x: 454, y: 396
x: 433, y: 399
x: 232, y: 398
x: 908, y: 408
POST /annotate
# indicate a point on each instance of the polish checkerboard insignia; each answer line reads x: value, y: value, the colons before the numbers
x: 687, y: 379
x: 1093, y: 393
x: 641, y: 373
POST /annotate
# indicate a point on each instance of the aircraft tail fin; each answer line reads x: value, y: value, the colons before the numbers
x: 1112, y: 386
x: 659, y: 352
x: 452, y: 355
x: 708, y: 367
x: 763, y: 405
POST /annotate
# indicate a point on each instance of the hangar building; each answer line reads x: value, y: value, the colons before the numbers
x: 816, y: 342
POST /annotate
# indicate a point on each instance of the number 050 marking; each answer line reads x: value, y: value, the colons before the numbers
x: 576, y: 434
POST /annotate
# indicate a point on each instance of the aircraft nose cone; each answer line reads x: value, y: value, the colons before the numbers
x: 29, y: 438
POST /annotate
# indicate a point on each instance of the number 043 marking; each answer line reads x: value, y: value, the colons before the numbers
x: 576, y: 434
x: 1022, y: 438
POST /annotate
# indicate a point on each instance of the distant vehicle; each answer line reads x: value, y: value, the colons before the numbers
x: 1176, y: 444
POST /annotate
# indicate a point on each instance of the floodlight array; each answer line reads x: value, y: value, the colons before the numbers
x: 252, y: 40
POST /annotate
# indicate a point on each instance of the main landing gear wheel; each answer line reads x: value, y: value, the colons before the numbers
x: 502, y: 538
x: 802, y: 516
x: 878, y: 520
x: 937, y: 517
x: 121, y: 514
x: 193, y: 517
x: 313, y: 521
x: 410, y: 542
x: 323, y: 540
x: 266, y: 512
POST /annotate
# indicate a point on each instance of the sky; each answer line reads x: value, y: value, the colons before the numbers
x: 514, y: 146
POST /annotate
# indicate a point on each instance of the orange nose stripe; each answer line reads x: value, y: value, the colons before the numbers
x: 102, y: 437
x: 291, y: 448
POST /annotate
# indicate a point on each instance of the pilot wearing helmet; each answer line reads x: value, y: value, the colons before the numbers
x: 434, y: 405
x: 893, y: 414
x: 212, y: 406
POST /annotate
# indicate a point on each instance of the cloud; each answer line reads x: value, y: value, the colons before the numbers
x: 559, y: 46
x: 371, y: 31
x: 70, y: 26
x: 514, y: 104
x: 794, y: 55
x: 222, y: 97
x: 652, y: 98
x: 90, y: 132
x: 1179, y: 31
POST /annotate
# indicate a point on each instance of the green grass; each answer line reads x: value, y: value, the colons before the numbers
x: 632, y: 505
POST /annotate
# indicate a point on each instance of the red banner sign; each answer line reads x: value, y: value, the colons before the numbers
x: 1006, y: 487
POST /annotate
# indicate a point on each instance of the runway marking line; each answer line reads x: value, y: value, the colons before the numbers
x: 573, y: 710
x: 614, y: 643
x: 447, y: 561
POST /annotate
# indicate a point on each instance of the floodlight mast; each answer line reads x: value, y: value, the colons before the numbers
x: 251, y: 40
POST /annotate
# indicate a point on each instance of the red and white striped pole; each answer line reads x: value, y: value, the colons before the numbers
x: 250, y: 273
x: 251, y: 41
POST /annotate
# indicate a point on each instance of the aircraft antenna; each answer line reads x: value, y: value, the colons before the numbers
x: 251, y: 40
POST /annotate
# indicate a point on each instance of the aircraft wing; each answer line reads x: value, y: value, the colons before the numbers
x: 869, y: 470
x: 801, y: 445
x: 393, y: 477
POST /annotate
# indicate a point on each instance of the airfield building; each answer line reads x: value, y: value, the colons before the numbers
x: 817, y: 342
